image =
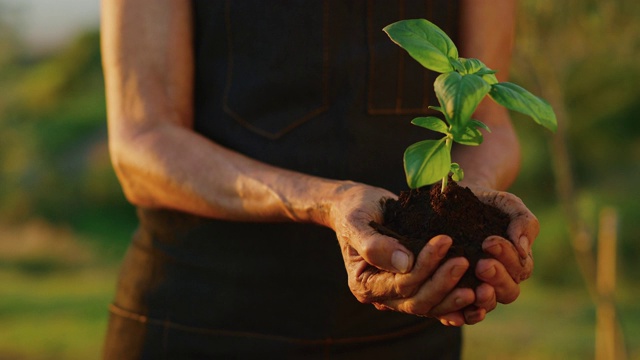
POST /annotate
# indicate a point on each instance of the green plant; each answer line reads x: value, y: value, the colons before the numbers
x: 460, y: 88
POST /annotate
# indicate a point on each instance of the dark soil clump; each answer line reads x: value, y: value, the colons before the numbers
x: 420, y: 214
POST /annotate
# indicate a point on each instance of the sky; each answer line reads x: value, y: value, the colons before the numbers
x: 46, y: 24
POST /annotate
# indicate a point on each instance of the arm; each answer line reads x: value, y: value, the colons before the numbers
x: 161, y: 162
x: 487, y: 33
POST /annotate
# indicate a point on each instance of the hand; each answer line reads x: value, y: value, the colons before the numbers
x: 511, y: 262
x: 382, y: 272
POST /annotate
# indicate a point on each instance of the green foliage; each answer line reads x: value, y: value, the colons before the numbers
x: 460, y: 88
x: 54, y: 162
x: 60, y: 315
x: 425, y: 42
x: 515, y: 98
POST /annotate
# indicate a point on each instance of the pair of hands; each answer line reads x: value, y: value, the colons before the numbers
x: 382, y: 272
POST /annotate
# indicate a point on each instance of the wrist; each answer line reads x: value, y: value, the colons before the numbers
x: 329, y: 203
x: 316, y: 201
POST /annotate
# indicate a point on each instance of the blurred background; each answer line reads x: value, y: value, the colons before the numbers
x: 64, y: 223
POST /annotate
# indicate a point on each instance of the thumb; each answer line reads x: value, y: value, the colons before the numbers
x: 385, y: 253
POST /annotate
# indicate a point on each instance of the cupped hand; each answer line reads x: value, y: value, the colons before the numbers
x: 511, y: 262
x: 383, y: 272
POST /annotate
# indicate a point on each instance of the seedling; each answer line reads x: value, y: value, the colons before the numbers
x: 460, y: 88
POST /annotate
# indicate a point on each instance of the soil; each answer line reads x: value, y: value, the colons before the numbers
x: 420, y: 214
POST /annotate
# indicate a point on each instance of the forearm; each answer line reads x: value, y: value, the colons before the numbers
x: 487, y: 33
x: 159, y: 159
x: 495, y: 163
x: 173, y: 167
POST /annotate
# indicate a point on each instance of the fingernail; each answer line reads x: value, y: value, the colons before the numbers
x: 458, y: 271
x: 523, y: 247
x: 524, y: 242
x: 400, y: 261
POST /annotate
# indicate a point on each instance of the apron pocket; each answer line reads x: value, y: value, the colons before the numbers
x: 277, y: 77
x: 399, y: 85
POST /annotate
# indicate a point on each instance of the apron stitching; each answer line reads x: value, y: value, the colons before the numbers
x: 167, y: 324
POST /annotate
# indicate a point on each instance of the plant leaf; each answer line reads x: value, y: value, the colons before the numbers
x: 490, y: 78
x: 475, y: 66
x: 516, y: 98
x: 425, y: 42
x: 457, y: 174
x: 459, y: 96
x: 432, y: 123
x: 426, y: 162
x: 436, y: 108
x: 471, y: 136
x: 457, y: 65
x: 480, y: 125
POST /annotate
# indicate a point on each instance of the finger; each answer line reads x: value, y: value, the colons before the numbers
x: 524, y: 226
x: 452, y: 319
x: 426, y: 264
x: 519, y: 267
x: 523, y: 229
x: 485, y: 303
x: 454, y: 302
x: 384, y: 252
x: 485, y: 297
x: 370, y: 284
x: 430, y: 256
x: 433, y: 292
x: 493, y: 273
x: 474, y: 315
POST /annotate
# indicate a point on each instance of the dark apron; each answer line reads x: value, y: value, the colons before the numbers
x: 317, y: 87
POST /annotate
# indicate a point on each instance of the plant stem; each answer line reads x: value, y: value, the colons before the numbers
x: 445, y: 179
x: 444, y: 183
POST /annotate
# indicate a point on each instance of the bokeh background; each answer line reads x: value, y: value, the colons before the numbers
x: 64, y: 223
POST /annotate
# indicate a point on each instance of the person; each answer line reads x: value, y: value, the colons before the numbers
x: 252, y: 135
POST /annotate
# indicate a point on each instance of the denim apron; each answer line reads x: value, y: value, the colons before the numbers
x: 317, y: 87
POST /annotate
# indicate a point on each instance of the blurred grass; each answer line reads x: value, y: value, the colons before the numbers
x: 545, y: 323
x: 549, y: 322
x: 59, y: 314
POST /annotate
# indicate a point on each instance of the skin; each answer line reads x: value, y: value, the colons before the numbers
x: 161, y: 162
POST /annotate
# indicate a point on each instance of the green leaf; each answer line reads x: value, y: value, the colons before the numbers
x: 425, y: 42
x: 457, y: 174
x: 516, y: 98
x: 436, y: 108
x: 432, y: 123
x: 490, y: 78
x: 457, y: 65
x: 426, y: 162
x: 459, y: 96
x: 475, y: 66
x: 471, y: 136
x: 480, y: 125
